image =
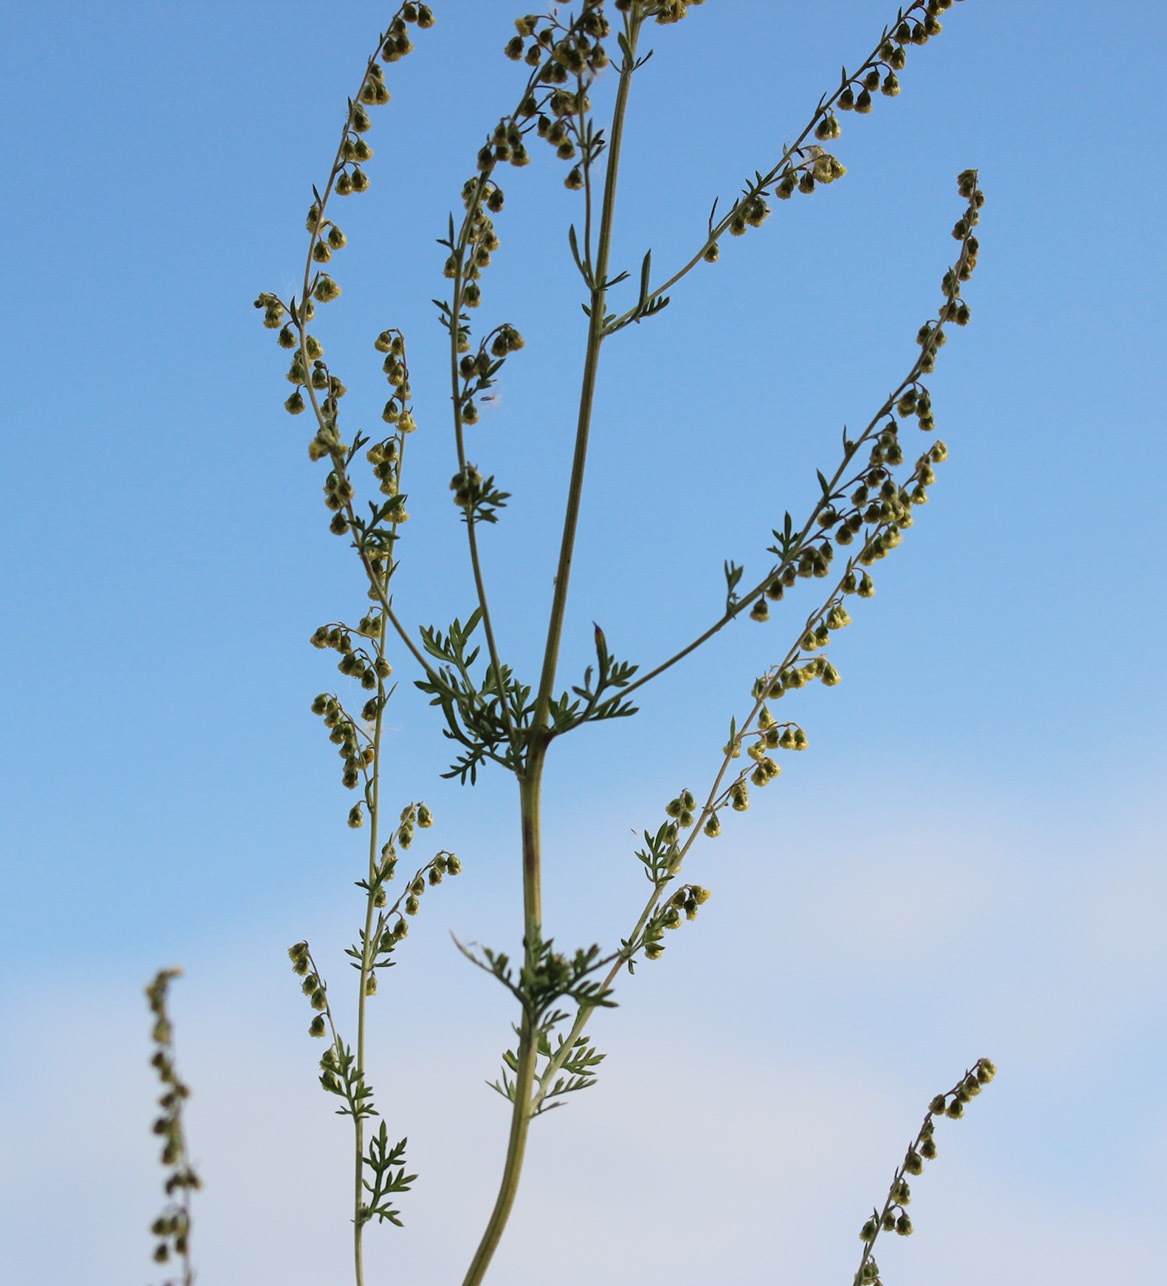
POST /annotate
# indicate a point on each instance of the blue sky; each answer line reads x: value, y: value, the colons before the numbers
x: 969, y: 860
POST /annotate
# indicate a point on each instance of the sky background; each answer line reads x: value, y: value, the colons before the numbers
x: 968, y: 861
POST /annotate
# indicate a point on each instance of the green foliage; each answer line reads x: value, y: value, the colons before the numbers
x: 386, y: 1169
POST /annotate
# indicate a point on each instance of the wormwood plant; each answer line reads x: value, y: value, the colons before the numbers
x: 497, y: 718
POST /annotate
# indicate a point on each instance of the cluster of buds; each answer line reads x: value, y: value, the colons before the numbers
x: 559, y: 54
x: 413, y: 816
x: 879, y: 76
x: 397, y: 410
x: 354, y: 661
x: 356, y: 751
x: 875, y: 507
x: 392, y: 923
x: 314, y: 382
x: 814, y: 166
x: 466, y: 485
x: 681, y: 810
x: 665, y: 12
x: 385, y: 457
x: 172, y: 1227
x: 313, y: 987
x: 813, y: 559
x: 768, y: 735
x: 561, y: 51
x: 809, y: 166
x: 894, y: 1217
x: 478, y: 370
x: 482, y: 240
x: 686, y: 899
x: 681, y: 905
x: 481, y: 197
x: 429, y: 877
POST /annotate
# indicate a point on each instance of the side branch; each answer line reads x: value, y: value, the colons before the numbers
x: 877, y: 500
x: 803, y: 164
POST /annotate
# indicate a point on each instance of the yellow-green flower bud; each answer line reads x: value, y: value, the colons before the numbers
x: 828, y: 168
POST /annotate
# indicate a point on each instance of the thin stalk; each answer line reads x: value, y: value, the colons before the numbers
x: 374, y: 800
x: 471, y: 526
x: 588, y: 385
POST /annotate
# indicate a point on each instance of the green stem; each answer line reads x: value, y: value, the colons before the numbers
x: 516, y: 1147
x: 374, y: 801
x: 471, y: 524
x: 530, y: 793
x: 530, y: 806
x: 588, y: 385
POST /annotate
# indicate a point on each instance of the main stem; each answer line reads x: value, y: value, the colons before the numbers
x: 531, y: 777
x: 530, y: 791
x: 597, y: 312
